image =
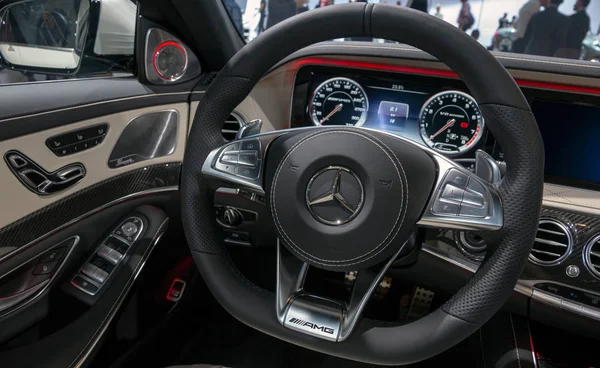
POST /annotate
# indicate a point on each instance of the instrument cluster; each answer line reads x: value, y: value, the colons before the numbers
x: 448, y: 121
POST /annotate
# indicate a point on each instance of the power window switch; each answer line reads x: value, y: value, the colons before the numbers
x: 110, y: 255
x: 100, y: 276
x: 89, y: 269
x: 85, y: 285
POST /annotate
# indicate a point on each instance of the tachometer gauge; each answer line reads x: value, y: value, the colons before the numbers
x: 451, y: 122
x: 339, y: 101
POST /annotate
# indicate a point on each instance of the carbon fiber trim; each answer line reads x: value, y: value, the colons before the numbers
x: 47, y: 219
x: 584, y: 228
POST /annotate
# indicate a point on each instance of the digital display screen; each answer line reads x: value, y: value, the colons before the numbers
x: 571, y: 135
x: 392, y: 106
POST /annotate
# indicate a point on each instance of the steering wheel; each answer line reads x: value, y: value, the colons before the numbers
x: 347, y: 199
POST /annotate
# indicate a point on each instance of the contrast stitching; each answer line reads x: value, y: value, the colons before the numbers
x: 388, y: 238
x: 515, y: 337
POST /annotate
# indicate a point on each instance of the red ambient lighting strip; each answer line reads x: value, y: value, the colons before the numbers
x: 437, y: 73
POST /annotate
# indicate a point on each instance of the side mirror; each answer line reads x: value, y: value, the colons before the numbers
x: 44, y: 36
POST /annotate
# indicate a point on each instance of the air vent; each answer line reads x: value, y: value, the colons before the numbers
x: 553, y: 243
x: 591, y: 256
x: 231, y: 126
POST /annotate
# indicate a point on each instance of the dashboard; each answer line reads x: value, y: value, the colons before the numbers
x: 441, y: 114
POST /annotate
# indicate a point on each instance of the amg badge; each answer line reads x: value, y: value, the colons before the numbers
x: 314, y: 326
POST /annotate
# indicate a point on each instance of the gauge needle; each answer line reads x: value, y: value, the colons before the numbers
x: 450, y: 123
x: 336, y: 109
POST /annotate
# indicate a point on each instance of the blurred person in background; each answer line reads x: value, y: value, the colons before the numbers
x: 262, y: 10
x: 301, y: 6
x: 578, y: 29
x: 438, y: 12
x: 465, y: 19
x: 421, y: 5
x: 547, y: 31
x: 527, y: 11
x: 475, y: 34
x: 279, y: 10
x: 503, y: 22
x: 513, y: 20
x: 323, y: 3
x: 235, y: 13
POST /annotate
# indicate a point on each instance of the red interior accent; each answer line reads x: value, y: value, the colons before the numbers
x: 161, y: 46
x: 437, y: 73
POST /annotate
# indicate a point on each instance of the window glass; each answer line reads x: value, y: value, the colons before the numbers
x: 555, y: 28
x: 62, y: 39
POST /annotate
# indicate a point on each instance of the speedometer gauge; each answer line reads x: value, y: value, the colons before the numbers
x: 339, y: 101
x: 451, y: 122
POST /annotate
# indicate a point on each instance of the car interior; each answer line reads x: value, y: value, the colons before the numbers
x: 208, y: 183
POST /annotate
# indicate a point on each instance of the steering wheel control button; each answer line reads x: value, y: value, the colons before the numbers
x: 248, y: 159
x: 250, y: 145
x: 441, y: 207
x: 45, y: 268
x: 226, y: 168
x: 229, y: 158
x: 572, y: 271
x: 453, y: 193
x: 84, y: 285
x: 457, y: 178
x: 473, y: 199
x: 247, y: 172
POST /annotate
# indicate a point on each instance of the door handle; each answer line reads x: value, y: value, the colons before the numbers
x: 40, y: 181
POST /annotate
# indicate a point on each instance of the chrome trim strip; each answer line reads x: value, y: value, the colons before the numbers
x: 48, y: 282
x: 87, y: 351
x: 96, y: 210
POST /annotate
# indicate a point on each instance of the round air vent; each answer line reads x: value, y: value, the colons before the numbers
x: 553, y: 243
x: 231, y: 126
x: 591, y: 255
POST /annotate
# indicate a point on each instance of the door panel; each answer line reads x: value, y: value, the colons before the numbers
x: 68, y: 344
x: 23, y: 202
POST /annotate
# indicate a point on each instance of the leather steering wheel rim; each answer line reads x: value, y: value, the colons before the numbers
x: 507, y: 115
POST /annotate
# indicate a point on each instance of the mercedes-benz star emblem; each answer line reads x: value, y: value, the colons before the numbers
x: 334, y: 195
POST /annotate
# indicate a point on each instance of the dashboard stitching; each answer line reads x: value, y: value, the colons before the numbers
x: 381, y: 246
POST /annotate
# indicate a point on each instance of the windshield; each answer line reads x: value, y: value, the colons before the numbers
x: 556, y: 28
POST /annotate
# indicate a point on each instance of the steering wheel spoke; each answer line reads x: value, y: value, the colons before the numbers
x: 462, y: 200
x: 321, y: 317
